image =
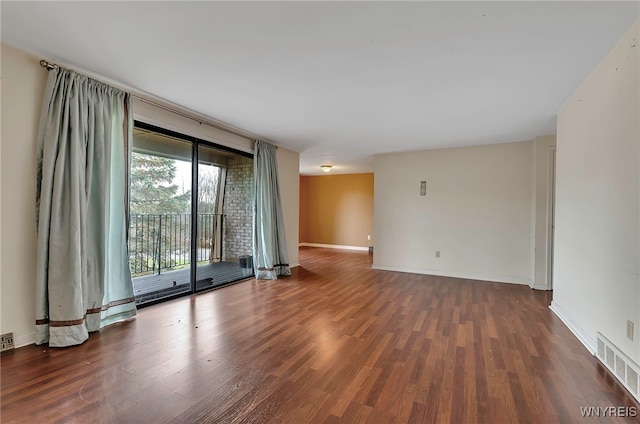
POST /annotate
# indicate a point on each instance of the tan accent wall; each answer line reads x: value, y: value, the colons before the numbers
x: 337, y: 209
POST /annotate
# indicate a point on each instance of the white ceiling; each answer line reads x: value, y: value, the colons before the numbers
x: 339, y: 81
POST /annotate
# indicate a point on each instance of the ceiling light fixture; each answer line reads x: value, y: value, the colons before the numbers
x: 325, y: 168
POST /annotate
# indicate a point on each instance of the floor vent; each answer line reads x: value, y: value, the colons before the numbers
x: 6, y: 342
x: 623, y: 368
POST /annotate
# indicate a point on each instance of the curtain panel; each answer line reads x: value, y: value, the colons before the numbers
x: 271, y: 258
x: 83, y: 277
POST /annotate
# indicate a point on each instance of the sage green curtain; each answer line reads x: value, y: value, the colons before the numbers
x: 269, y: 245
x: 83, y: 278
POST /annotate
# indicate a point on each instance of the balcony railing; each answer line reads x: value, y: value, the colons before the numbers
x: 160, y: 242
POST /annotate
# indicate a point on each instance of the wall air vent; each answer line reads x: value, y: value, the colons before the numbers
x: 619, y: 364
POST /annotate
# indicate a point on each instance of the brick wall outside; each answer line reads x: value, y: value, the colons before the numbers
x: 238, y: 208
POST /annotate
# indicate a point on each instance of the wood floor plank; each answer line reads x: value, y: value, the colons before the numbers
x: 337, y: 342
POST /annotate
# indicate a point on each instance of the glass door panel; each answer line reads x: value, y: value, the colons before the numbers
x: 160, y: 216
x: 221, y: 199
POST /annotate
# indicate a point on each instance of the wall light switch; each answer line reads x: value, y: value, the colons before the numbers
x: 423, y: 188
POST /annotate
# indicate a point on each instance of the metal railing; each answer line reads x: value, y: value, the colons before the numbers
x: 160, y: 242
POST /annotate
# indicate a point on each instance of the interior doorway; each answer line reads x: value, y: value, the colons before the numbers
x: 552, y: 216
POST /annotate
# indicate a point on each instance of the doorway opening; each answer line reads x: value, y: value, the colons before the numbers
x: 552, y: 216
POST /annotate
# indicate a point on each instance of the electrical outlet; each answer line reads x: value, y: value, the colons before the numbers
x: 630, y: 330
x: 369, y: 237
x: 6, y: 342
x: 437, y: 253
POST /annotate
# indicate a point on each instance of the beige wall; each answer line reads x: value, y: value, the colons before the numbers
x: 288, y: 177
x: 23, y: 82
x: 477, y: 212
x: 151, y: 114
x: 597, y: 252
x: 337, y: 209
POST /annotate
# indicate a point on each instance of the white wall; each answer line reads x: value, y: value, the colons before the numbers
x: 477, y: 212
x: 23, y: 82
x: 597, y: 253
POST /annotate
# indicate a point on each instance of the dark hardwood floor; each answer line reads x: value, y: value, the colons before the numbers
x: 335, y: 342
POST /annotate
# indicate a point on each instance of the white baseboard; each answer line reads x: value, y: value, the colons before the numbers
x: 24, y: 340
x: 467, y: 276
x: 588, y: 341
x: 334, y: 246
x: 540, y: 287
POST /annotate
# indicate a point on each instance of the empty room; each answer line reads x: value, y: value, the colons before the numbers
x: 320, y: 212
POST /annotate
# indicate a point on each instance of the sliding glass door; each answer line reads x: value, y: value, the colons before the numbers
x: 160, y: 215
x: 225, y: 213
x: 191, y: 207
x: 210, y: 218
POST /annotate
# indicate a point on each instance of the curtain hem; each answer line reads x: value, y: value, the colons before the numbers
x: 273, y: 273
x: 66, y: 333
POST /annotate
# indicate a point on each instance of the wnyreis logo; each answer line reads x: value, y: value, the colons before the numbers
x: 608, y: 411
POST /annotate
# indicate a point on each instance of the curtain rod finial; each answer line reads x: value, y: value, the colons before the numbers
x: 47, y: 65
